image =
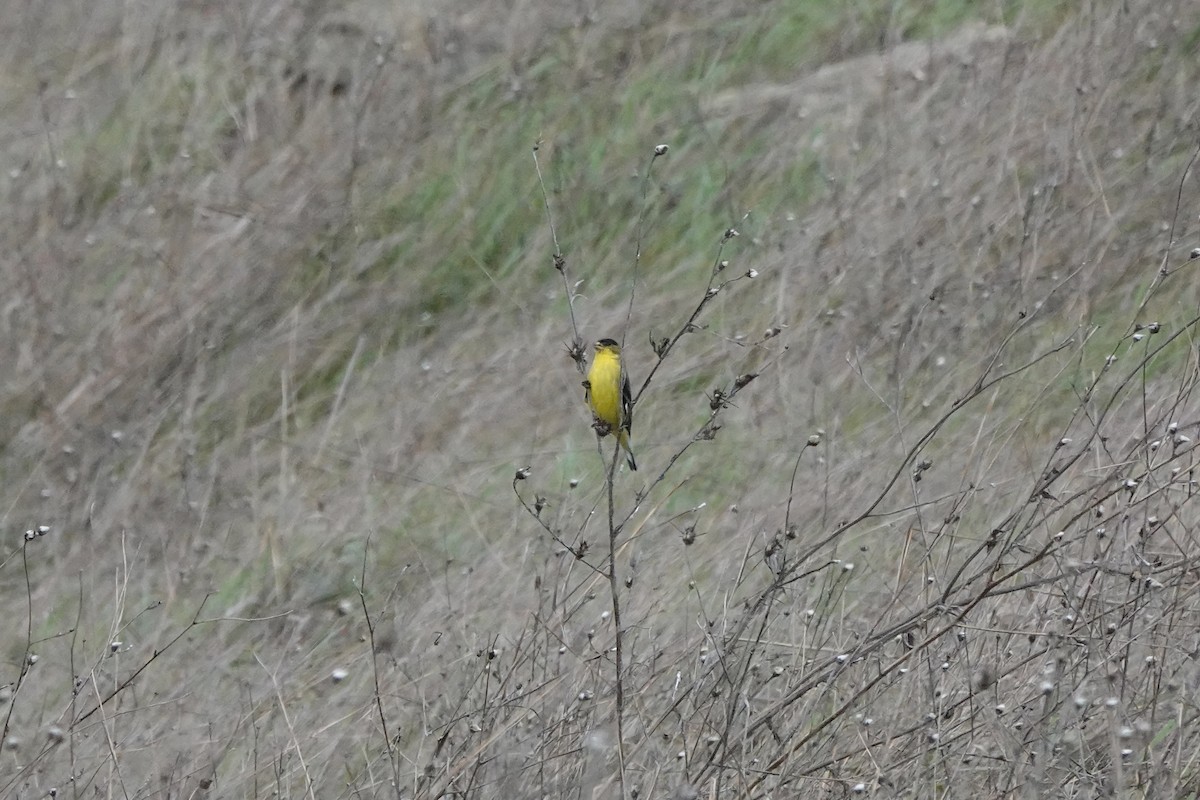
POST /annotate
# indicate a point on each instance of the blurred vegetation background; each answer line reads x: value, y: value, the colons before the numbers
x: 280, y: 321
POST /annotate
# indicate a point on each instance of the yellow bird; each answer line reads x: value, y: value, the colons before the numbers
x: 607, y: 393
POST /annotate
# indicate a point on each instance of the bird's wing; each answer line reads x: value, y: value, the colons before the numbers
x: 626, y: 404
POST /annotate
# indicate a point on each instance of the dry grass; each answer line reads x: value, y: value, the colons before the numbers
x: 272, y: 271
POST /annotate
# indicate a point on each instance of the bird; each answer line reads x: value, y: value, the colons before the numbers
x: 607, y: 393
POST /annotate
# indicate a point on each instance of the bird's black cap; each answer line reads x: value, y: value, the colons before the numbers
x: 607, y: 343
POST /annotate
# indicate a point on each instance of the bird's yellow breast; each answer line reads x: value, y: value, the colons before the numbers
x: 604, y: 396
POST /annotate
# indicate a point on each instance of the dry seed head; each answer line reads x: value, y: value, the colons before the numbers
x: 576, y: 352
x: 523, y: 473
x: 1195, y: 252
x: 661, y: 150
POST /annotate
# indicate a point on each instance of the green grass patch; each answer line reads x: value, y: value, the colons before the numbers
x: 170, y: 125
x: 474, y: 208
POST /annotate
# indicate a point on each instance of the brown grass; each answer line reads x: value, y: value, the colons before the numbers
x: 281, y: 324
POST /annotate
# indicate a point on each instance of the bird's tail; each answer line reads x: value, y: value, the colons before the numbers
x: 623, y: 438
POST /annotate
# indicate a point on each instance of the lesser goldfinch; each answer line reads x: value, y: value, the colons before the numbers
x: 607, y: 393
